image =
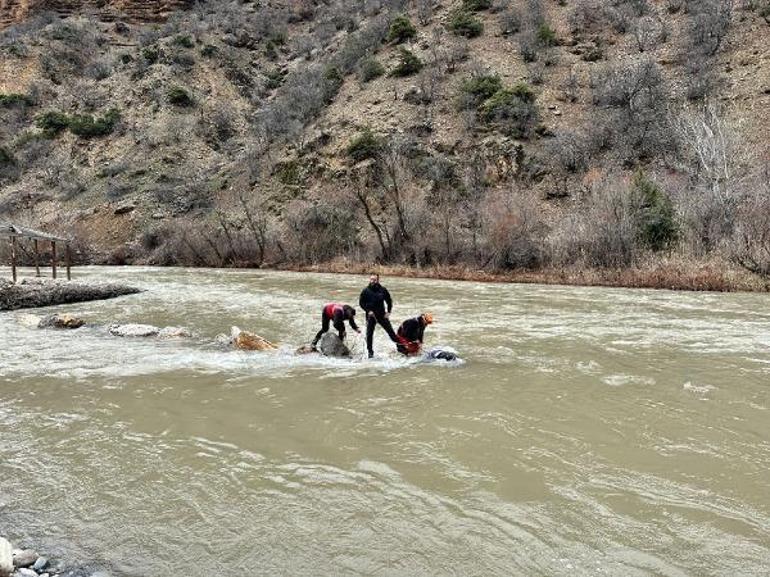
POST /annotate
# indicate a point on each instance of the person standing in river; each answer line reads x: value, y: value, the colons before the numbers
x: 336, y: 314
x: 374, y: 299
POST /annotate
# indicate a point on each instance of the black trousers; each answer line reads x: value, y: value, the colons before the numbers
x: 371, y: 322
x: 325, y: 321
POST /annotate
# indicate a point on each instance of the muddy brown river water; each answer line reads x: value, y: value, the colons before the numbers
x: 589, y: 431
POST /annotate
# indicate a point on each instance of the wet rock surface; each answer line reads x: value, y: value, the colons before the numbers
x: 330, y: 345
x: 246, y: 341
x: 60, y: 321
x: 32, y: 293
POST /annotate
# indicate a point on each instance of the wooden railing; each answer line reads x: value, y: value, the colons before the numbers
x: 15, y: 233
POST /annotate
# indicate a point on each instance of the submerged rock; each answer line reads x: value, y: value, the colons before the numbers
x: 306, y: 350
x: 60, y: 322
x: 25, y: 572
x: 134, y: 330
x: 246, y: 341
x: 40, y: 564
x: 6, y: 558
x: 175, y: 333
x: 331, y: 345
x: 31, y: 293
x: 24, y: 557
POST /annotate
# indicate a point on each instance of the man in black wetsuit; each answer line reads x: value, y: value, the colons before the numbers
x: 336, y: 314
x: 373, y: 300
x: 413, y: 331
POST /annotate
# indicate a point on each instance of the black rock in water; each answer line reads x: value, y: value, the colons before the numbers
x: 32, y: 293
x: 330, y: 345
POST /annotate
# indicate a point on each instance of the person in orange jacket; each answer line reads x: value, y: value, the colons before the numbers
x: 412, y: 331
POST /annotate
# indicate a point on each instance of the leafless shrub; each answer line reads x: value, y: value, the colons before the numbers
x: 514, y: 231
x: 648, y: 33
x: 750, y: 246
x: 608, y: 237
x: 318, y: 232
x: 424, y: 11
x: 709, y: 24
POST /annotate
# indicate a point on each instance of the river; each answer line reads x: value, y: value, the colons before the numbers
x: 589, y: 431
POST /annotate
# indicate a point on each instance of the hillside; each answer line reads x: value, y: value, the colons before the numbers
x: 574, y: 136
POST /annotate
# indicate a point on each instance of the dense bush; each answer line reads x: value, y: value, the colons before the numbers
x: 83, y: 125
x: 52, y: 122
x: 401, y: 30
x: 15, y: 100
x: 476, y: 5
x: 87, y: 126
x: 463, y: 23
x: 370, y: 69
x: 178, y: 96
x: 477, y: 89
x: 365, y: 146
x: 408, y: 64
x: 512, y: 110
x: 546, y: 35
x: 658, y: 229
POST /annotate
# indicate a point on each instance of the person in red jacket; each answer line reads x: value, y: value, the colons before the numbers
x: 336, y: 314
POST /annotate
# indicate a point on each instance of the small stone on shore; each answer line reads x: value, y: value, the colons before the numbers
x: 40, y: 564
x: 24, y: 557
x: 24, y: 572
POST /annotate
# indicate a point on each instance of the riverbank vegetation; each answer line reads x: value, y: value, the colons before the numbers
x: 579, y: 142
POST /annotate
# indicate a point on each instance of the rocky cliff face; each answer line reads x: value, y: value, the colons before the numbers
x: 12, y: 11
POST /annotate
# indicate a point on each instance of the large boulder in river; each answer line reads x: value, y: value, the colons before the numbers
x: 331, y: 345
x: 60, y: 322
x: 246, y: 341
x: 6, y: 558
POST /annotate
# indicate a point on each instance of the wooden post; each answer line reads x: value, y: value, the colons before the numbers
x: 53, y: 257
x: 68, y: 260
x: 13, y: 257
x: 37, y: 259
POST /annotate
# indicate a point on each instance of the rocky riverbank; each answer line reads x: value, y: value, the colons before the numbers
x: 32, y: 293
x: 29, y: 563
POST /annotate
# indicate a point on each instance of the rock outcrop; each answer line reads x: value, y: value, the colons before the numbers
x: 31, y: 293
x: 13, y: 11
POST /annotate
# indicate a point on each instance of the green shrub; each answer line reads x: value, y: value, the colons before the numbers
x: 87, y: 126
x: 178, y: 96
x: 370, y: 69
x: 275, y: 78
x: 546, y: 35
x: 184, y: 40
x: 289, y: 172
x: 52, y: 122
x: 333, y: 80
x: 14, y: 100
x: 476, y: 5
x: 479, y: 88
x: 408, y: 64
x: 151, y: 54
x: 209, y: 51
x: 6, y: 158
x: 513, y: 110
x: 463, y: 23
x: 364, y: 146
x: 83, y: 125
x: 658, y: 229
x: 401, y: 30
